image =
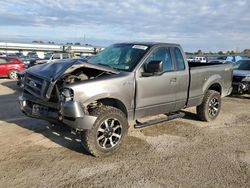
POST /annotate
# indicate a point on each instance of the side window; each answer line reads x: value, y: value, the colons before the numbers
x: 56, y: 56
x: 180, y: 65
x: 3, y: 61
x: 162, y: 54
x: 65, y: 56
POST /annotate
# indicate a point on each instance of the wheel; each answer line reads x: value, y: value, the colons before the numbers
x: 107, y: 133
x: 210, y: 107
x: 12, y: 74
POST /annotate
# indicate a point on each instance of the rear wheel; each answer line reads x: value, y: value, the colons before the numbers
x: 107, y: 133
x: 210, y: 107
x: 12, y: 74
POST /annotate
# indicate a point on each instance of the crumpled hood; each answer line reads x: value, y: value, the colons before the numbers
x: 52, y: 71
x: 241, y: 73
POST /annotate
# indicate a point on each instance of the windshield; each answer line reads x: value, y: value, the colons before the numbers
x: 47, y: 56
x: 120, y: 56
x: 242, y: 65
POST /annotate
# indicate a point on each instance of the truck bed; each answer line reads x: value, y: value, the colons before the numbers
x: 202, y: 74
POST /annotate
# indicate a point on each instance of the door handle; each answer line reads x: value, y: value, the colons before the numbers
x: 173, y: 80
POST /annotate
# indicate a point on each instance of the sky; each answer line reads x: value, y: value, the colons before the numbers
x: 209, y: 25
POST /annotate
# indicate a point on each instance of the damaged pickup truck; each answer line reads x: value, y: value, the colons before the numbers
x: 124, y: 83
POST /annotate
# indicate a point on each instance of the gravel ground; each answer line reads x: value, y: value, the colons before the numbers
x: 180, y: 153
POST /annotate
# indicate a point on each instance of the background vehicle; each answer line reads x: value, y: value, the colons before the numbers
x: 219, y: 61
x: 49, y: 58
x: 241, y: 77
x: 200, y: 59
x: 123, y: 83
x: 2, y: 54
x: 10, y: 66
x: 191, y: 59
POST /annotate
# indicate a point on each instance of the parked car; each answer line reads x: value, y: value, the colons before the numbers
x: 123, y: 83
x: 190, y: 59
x: 10, y: 66
x: 32, y: 55
x: 2, y: 54
x: 200, y: 59
x: 241, y: 77
x: 12, y: 55
x: 54, y: 57
x: 222, y: 62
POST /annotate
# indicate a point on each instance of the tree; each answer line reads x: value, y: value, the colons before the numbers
x: 189, y: 53
x: 220, y: 53
x: 232, y: 52
x: 37, y: 41
x: 78, y: 43
x: 246, y: 51
x: 199, y: 52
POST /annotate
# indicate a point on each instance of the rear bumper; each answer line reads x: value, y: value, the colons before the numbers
x: 71, y: 113
x: 241, y: 87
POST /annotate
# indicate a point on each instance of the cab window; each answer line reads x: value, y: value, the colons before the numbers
x: 180, y: 64
x: 162, y: 54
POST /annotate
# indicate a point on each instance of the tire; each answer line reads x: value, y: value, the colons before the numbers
x: 107, y: 133
x: 12, y: 74
x: 210, y: 107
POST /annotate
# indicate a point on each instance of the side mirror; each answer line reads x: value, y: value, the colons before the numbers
x: 153, y: 68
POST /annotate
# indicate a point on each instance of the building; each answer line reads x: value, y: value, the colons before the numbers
x: 13, y: 47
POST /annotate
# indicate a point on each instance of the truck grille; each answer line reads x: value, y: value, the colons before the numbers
x: 237, y: 78
x: 35, y: 86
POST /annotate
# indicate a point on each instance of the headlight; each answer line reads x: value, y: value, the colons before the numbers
x: 246, y: 79
x: 67, y: 94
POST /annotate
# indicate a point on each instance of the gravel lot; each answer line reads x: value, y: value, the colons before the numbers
x: 181, y: 153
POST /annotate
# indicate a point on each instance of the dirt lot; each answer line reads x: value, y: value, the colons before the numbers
x: 180, y: 153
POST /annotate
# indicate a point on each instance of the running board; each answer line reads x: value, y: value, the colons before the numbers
x: 168, y: 117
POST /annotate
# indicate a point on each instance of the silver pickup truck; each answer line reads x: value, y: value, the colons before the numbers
x: 124, y: 83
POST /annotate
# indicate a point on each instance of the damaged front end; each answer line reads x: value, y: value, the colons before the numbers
x: 45, y: 94
x: 241, y: 85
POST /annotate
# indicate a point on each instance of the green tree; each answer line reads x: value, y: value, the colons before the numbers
x: 246, y: 51
x: 220, y: 53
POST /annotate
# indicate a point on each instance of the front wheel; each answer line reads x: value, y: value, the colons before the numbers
x: 210, y: 107
x: 107, y: 133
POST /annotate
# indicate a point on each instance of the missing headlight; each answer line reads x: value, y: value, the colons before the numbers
x: 67, y: 94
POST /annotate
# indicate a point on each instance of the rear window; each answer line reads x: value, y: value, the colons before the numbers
x: 180, y: 64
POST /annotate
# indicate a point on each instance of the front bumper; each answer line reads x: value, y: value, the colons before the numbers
x: 241, y: 87
x: 71, y: 113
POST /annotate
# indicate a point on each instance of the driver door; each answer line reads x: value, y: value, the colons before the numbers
x: 156, y: 94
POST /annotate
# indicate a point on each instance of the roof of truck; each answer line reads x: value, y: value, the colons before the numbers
x: 150, y: 44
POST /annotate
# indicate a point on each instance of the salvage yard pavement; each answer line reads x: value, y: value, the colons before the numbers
x: 180, y: 153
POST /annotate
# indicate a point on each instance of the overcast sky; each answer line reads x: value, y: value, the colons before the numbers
x: 210, y: 25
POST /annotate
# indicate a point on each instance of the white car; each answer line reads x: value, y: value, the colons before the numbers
x: 200, y: 59
x: 54, y: 57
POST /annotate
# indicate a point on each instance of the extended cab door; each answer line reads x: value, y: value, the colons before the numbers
x: 156, y: 94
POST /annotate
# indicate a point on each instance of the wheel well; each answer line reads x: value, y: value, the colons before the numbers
x: 115, y: 103
x: 12, y: 70
x: 216, y: 87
